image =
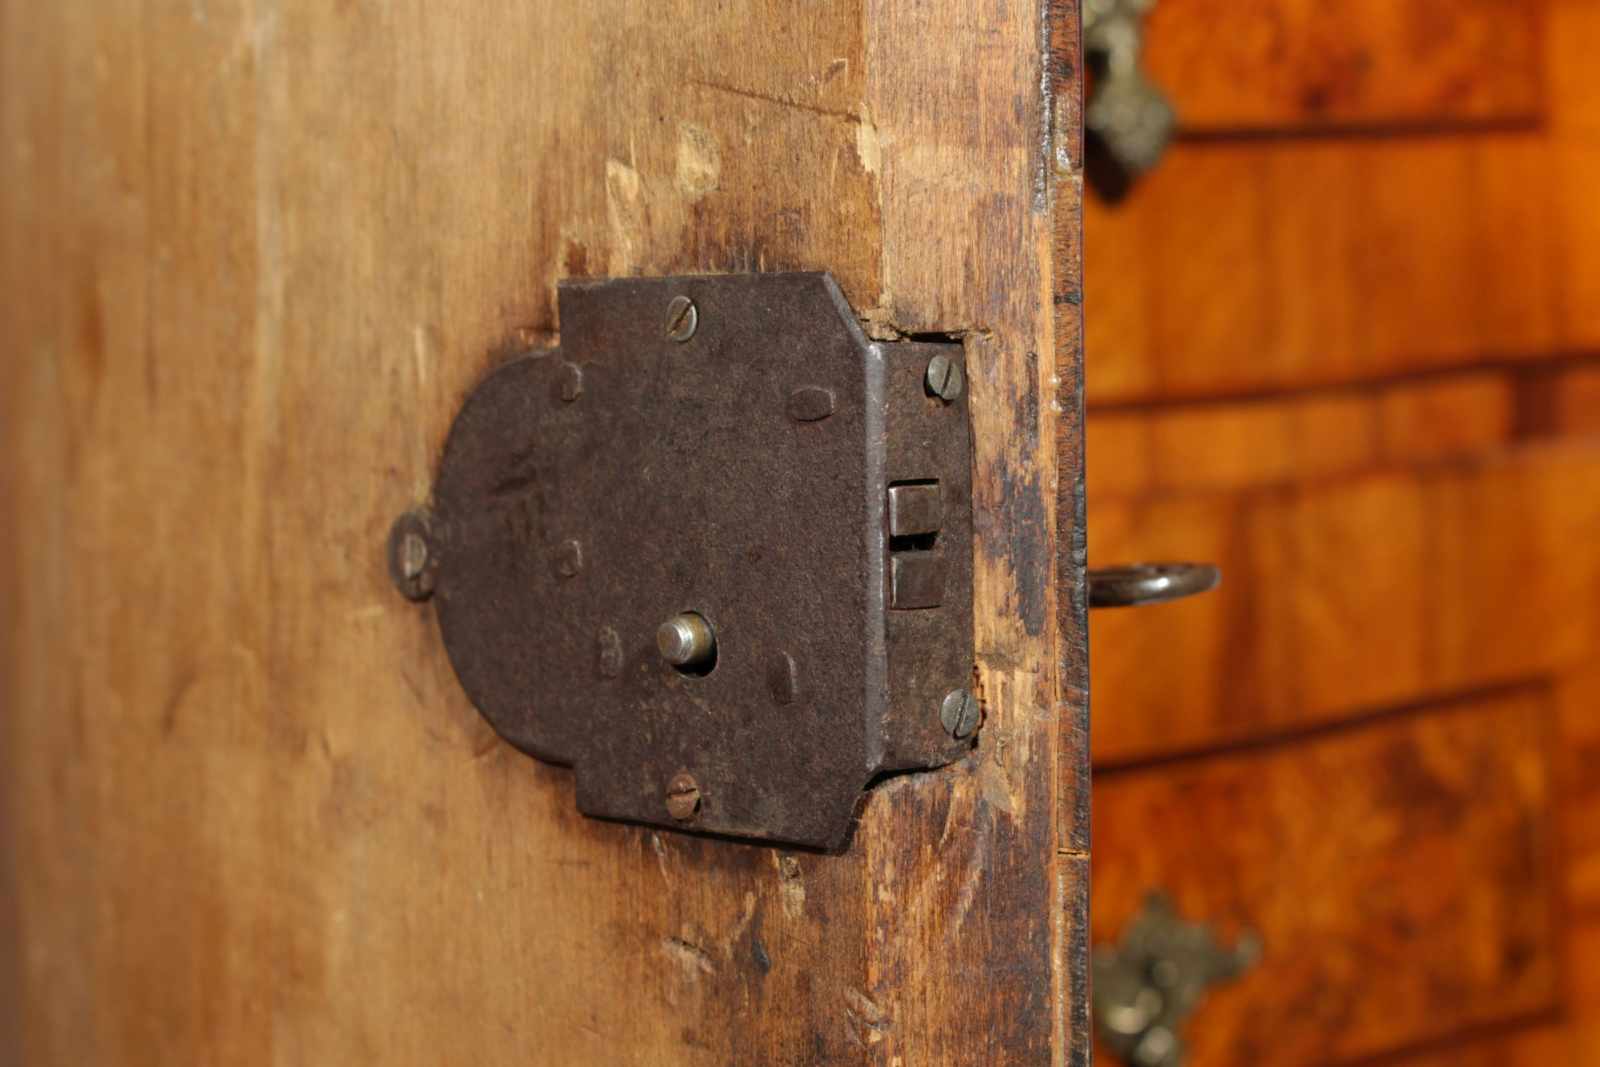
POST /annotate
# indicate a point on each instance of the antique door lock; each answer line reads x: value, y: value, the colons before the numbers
x: 714, y: 552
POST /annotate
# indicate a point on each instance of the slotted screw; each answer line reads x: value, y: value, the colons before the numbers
x: 960, y: 713
x: 944, y: 378
x: 683, y: 318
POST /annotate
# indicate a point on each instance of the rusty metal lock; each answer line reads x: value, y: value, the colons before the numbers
x: 714, y: 552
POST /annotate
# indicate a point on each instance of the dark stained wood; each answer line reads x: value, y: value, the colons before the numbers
x: 1300, y: 65
x: 253, y: 257
x: 1399, y: 873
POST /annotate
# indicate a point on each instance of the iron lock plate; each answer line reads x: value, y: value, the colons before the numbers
x: 729, y: 449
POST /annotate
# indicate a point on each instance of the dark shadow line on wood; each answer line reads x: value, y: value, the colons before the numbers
x: 1543, y: 363
x: 1472, y: 1033
x: 1371, y: 130
x: 1444, y: 702
x: 1466, y: 464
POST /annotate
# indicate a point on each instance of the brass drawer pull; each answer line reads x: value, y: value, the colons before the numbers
x: 1138, y: 584
x: 1150, y: 982
x: 1127, y: 113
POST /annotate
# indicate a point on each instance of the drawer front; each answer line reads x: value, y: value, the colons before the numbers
x: 1348, y: 594
x: 1430, y: 208
x: 1398, y: 872
x: 1294, y: 65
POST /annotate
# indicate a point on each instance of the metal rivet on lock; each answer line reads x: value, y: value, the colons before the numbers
x: 610, y: 653
x: 811, y: 403
x: 569, y: 558
x: 783, y: 678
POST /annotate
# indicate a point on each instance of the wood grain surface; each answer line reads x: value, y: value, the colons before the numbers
x: 1258, y: 265
x: 1255, y: 66
x: 1350, y: 595
x: 1570, y: 1036
x: 254, y: 256
x: 1399, y: 875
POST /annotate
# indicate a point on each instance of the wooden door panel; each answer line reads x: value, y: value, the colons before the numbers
x: 1348, y: 595
x: 1297, y: 65
x: 254, y: 257
x: 1399, y: 873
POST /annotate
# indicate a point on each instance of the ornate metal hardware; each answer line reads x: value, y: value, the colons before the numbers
x: 1146, y: 986
x: 714, y: 552
x: 1139, y: 584
x: 1127, y: 113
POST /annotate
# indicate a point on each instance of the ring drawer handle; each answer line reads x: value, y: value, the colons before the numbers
x: 1138, y: 584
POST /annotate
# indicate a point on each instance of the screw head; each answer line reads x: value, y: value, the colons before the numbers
x: 944, y: 378
x: 683, y: 797
x: 683, y: 318
x: 411, y: 559
x: 960, y: 713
